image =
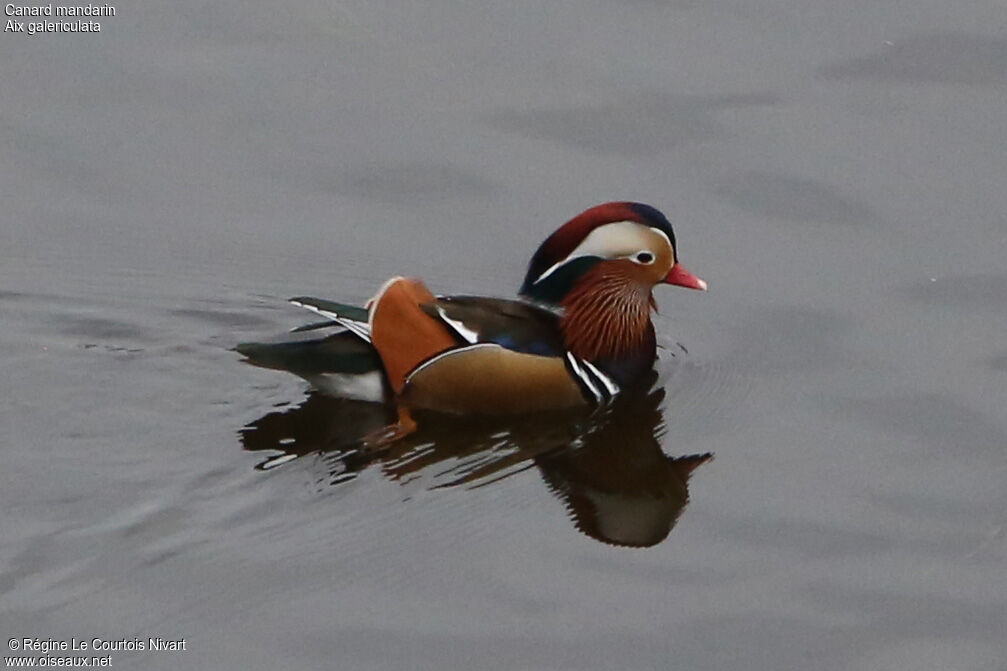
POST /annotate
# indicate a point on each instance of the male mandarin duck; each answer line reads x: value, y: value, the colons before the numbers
x: 579, y: 333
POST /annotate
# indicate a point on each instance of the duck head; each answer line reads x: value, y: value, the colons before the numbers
x: 631, y: 239
x: 600, y: 268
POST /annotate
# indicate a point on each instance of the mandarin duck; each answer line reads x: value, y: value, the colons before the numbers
x: 579, y: 332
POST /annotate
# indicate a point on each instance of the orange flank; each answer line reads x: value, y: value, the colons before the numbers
x: 403, y: 334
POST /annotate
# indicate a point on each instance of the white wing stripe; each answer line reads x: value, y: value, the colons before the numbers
x: 467, y: 334
x: 610, y: 385
x: 359, y: 329
x: 584, y: 376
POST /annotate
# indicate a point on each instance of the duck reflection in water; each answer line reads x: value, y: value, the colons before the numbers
x: 606, y: 465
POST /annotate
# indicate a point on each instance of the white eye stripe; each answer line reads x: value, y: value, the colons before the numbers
x: 615, y: 237
x: 674, y: 252
x: 663, y: 235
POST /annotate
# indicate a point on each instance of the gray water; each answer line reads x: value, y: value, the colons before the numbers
x: 835, y: 171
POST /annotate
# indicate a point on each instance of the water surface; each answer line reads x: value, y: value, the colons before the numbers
x: 835, y: 171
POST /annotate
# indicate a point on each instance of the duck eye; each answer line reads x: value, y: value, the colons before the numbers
x: 644, y: 258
